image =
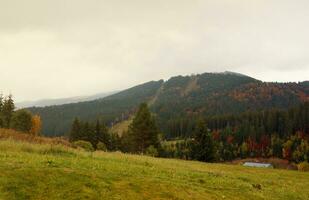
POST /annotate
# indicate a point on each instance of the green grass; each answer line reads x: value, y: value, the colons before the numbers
x: 44, y: 171
x: 121, y: 127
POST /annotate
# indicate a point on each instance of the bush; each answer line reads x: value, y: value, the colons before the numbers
x: 101, y: 146
x: 152, y: 151
x: 304, y: 166
x: 84, y: 145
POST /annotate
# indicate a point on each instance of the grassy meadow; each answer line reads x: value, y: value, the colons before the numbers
x: 49, y: 170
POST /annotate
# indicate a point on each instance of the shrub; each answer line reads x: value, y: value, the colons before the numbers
x: 304, y: 166
x: 84, y: 145
x: 101, y: 146
x: 152, y: 151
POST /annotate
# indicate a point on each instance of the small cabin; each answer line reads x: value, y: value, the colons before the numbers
x: 255, y: 164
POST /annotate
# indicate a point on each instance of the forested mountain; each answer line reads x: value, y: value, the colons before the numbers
x: 112, y: 109
x: 179, y: 100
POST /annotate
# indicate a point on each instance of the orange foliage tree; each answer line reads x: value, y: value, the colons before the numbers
x: 36, y: 125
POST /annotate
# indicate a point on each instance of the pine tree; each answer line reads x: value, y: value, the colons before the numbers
x: 88, y: 134
x: 1, y: 107
x: 203, y: 147
x: 101, y: 134
x: 127, y: 142
x: 22, y: 121
x: 7, y: 111
x: 1, y: 102
x: 75, y: 132
x: 143, y: 131
x: 114, y: 142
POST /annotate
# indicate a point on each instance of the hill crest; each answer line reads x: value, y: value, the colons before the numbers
x: 180, y: 96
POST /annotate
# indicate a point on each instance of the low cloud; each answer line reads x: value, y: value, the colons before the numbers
x: 62, y: 48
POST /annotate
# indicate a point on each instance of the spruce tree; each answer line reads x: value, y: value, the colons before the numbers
x: 101, y: 134
x: 22, y: 121
x: 203, y: 147
x: 75, y: 130
x: 86, y: 132
x: 143, y: 131
x: 7, y: 111
x: 1, y: 102
x: 1, y: 106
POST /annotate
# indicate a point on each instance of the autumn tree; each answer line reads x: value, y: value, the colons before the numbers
x: 36, y: 125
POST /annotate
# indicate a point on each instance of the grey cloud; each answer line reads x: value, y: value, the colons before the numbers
x: 62, y: 48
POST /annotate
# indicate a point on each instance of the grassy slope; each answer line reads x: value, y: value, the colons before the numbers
x: 121, y: 127
x: 45, y: 171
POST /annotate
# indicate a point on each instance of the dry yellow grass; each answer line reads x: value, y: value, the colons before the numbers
x: 20, y: 136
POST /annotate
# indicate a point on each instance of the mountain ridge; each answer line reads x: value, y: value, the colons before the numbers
x: 204, y: 94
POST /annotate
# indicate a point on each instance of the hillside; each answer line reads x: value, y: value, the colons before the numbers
x: 114, y: 108
x: 179, y: 97
x: 51, y: 171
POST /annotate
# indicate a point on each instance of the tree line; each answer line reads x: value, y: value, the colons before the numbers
x: 97, y: 134
x: 20, y: 120
x: 269, y: 133
x: 141, y: 137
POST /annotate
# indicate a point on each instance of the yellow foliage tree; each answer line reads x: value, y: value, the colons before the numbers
x: 36, y: 125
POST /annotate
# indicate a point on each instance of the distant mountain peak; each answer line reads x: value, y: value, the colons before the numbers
x: 233, y: 73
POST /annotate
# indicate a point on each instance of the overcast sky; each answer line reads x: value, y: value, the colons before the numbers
x: 63, y: 48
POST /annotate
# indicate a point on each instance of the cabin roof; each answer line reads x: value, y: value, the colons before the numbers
x: 256, y: 164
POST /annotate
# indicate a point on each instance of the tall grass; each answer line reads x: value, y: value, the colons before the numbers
x: 11, y: 145
x: 20, y: 136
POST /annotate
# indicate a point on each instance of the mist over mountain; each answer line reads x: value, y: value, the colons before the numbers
x: 61, y: 101
x: 180, y: 97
